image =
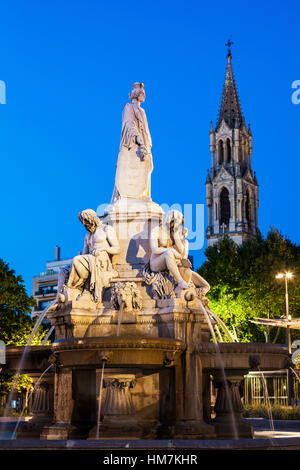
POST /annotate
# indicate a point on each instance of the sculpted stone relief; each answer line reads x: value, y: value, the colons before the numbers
x: 92, y: 270
x: 168, y: 270
x: 169, y: 253
x: 126, y: 294
x: 134, y: 166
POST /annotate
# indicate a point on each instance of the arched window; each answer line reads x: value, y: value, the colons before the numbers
x: 224, y: 207
x: 228, y: 144
x: 248, y: 208
x: 220, y: 152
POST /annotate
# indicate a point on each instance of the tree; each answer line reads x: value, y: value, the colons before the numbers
x: 243, y: 284
x: 18, y: 383
x: 15, y: 305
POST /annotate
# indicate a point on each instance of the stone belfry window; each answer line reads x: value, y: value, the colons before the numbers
x: 247, y: 208
x: 224, y: 207
x: 228, y: 147
x: 221, y: 152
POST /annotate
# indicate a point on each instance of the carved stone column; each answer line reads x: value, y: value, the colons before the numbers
x: 118, y: 410
x: 62, y: 406
x: 229, y: 423
x: 190, y: 422
x: 118, y: 403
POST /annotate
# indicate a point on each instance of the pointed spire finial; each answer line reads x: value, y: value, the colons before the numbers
x: 230, y: 109
x: 228, y: 45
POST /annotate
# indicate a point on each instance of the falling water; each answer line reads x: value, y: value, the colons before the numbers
x: 48, y: 335
x: 297, y: 377
x: 269, y: 408
x: 24, y: 354
x: 295, y: 374
x: 208, y: 320
x: 120, y: 318
x: 100, y: 400
x: 223, y: 326
x: 30, y: 395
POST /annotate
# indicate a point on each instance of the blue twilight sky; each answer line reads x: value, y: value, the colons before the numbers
x: 68, y: 67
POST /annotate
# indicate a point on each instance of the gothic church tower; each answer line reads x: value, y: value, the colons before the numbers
x: 231, y: 186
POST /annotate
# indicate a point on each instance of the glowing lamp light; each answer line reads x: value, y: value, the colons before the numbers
x: 287, y: 275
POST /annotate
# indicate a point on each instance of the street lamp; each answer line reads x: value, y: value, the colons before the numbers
x: 286, y: 276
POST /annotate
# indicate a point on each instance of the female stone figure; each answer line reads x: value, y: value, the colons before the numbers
x: 169, y: 252
x: 134, y: 167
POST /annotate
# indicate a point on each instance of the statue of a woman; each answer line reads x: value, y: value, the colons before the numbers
x: 134, y: 167
x: 169, y: 252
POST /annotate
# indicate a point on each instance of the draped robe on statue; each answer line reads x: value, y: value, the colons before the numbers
x: 133, y: 175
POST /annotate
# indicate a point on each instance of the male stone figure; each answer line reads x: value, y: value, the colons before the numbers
x: 169, y: 251
x: 134, y: 167
x: 93, y: 269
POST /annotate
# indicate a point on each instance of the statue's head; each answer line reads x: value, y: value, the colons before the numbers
x: 89, y: 219
x: 173, y: 219
x: 138, y: 92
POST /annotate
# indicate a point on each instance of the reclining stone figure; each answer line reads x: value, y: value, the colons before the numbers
x: 92, y: 270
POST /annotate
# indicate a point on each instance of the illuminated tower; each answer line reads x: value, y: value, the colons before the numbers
x: 231, y: 186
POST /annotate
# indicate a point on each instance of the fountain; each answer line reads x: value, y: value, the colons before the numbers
x: 132, y: 356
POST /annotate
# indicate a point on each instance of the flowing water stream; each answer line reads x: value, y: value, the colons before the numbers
x: 22, y: 360
x: 100, y: 401
x: 120, y: 318
x: 269, y: 408
x: 211, y: 328
x: 14, y: 434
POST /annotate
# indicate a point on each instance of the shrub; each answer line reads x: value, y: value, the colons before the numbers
x: 278, y: 412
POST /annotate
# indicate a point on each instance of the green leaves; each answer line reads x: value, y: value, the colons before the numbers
x: 243, y: 284
x: 15, y: 305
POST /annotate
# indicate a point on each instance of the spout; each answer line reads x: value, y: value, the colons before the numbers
x: 254, y: 361
x: 104, y: 356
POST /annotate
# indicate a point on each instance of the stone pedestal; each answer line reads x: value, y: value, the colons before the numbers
x: 133, y: 220
x: 229, y: 423
x: 118, y: 412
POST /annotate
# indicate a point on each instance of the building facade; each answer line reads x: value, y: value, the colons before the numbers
x: 44, y: 286
x: 231, y: 185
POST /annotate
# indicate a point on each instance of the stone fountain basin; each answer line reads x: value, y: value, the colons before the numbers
x: 243, y: 356
x: 120, y: 351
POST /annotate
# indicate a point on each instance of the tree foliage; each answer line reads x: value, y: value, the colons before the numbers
x: 19, y: 383
x: 243, y: 283
x: 15, y: 305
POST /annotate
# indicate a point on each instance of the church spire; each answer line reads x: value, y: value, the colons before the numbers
x: 230, y: 109
x: 231, y: 187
